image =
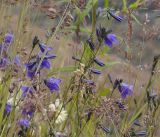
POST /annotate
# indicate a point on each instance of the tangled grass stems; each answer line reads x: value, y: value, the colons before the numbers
x: 80, y: 109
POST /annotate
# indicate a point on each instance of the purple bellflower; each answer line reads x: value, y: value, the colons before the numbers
x: 8, y: 38
x: 52, y: 83
x: 24, y: 122
x: 107, y: 36
x: 44, y: 47
x: 26, y: 90
x: 28, y: 111
x: 4, y: 62
x: 46, y: 61
x: 17, y: 61
x: 8, y: 108
x: 125, y: 90
x: 111, y: 39
x: 32, y: 65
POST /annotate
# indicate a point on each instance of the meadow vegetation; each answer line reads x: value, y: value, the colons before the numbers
x: 79, y: 68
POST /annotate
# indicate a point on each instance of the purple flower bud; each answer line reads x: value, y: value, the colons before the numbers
x: 100, y: 63
x: 95, y: 71
x: 105, y: 129
x: 141, y: 133
x: 53, y: 84
x: 91, y: 44
x: 110, y: 79
x: 35, y: 42
x: 137, y: 123
x: 90, y: 82
x: 52, y: 56
x: 121, y: 105
x: 118, y: 18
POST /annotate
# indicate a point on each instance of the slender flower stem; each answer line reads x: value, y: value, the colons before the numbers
x: 53, y: 35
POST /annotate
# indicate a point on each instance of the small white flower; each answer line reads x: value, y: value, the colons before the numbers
x: 62, y: 116
x: 52, y: 108
x: 44, y: 111
x: 60, y: 113
x: 11, y: 101
x: 57, y: 103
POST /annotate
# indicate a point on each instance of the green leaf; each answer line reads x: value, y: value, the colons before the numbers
x: 88, y: 53
x: 135, y: 4
x: 106, y: 4
x: 124, y: 5
x: 104, y: 92
x: 79, y: 16
x: 104, y: 50
x: 63, y: 69
x: 82, y: 14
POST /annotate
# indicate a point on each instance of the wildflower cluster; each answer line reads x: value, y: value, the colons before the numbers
x: 33, y: 100
x: 26, y: 101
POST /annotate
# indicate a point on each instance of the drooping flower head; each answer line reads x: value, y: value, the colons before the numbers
x: 4, y: 62
x: 125, y: 90
x: 8, y: 38
x: 33, y: 64
x: 46, y: 61
x: 31, y: 67
x: 24, y: 123
x: 44, y: 47
x: 28, y: 109
x: 16, y: 60
x: 26, y: 90
x: 52, y: 83
x: 109, y: 38
x: 8, y: 108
